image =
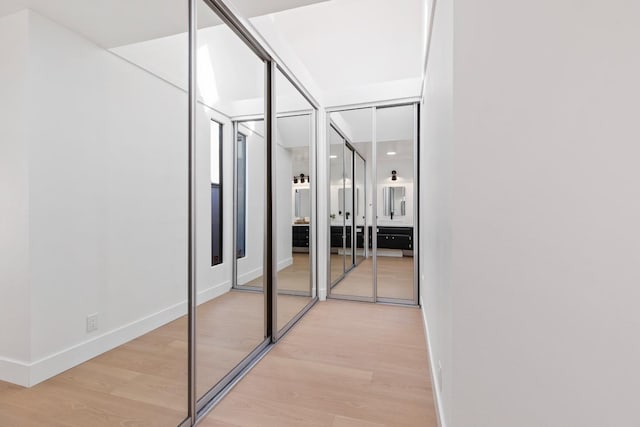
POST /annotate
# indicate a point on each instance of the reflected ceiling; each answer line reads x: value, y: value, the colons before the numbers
x: 114, y: 23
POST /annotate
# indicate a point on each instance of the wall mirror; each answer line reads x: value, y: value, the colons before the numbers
x: 393, y: 201
x: 302, y: 203
x: 295, y: 192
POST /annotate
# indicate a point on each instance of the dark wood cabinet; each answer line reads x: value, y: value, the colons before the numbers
x: 388, y: 237
x: 300, y: 237
x: 393, y: 238
x: 336, y: 236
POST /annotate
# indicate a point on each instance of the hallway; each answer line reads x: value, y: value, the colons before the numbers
x: 344, y: 364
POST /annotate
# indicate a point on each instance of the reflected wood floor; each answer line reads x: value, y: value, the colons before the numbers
x: 144, y: 382
x: 345, y: 364
x: 296, y: 277
x: 395, y: 278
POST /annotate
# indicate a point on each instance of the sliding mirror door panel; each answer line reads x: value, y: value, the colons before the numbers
x: 351, y: 137
x: 359, y: 209
x: 295, y: 183
x: 230, y: 82
x: 336, y: 203
x: 102, y: 334
x: 250, y: 197
x: 395, y: 180
x: 347, y: 208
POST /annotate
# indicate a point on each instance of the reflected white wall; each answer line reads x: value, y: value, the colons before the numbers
x: 107, y: 190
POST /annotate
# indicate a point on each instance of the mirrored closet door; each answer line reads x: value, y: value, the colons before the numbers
x: 373, y: 187
x: 396, y: 192
x: 230, y: 325
x: 295, y: 203
x: 351, y: 266
x: 293, y: 156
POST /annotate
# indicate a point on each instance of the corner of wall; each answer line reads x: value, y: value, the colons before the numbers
x: 14, y: 199
x: 433, y: 369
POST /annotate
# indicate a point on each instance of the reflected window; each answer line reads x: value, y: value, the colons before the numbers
x: 242, y: 196
x: 216, y: 193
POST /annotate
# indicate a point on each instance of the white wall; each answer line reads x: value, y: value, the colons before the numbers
x: 107, y: 156
x: 250, y: 266
x: 436, y: 143
x: 97, y: 202
x: 284, y: 185
x: 544, y: 201
x: 14, y: 197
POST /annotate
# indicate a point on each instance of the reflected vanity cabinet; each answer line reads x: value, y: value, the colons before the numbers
x: 337, y: 233
x: 300, y: 237
x: 394, y: 238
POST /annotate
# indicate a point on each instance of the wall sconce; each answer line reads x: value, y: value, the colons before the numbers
x: 394, y: 176
x: 302, y: 178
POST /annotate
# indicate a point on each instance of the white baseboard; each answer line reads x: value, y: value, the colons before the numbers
x: 394, y: 253
x: 285, y: 263
x: 213, y: 292
x: 14, y: 371
x: 434, y: 375
x: 245, y: 278
x: 52, y: 365
x: 30, y: 374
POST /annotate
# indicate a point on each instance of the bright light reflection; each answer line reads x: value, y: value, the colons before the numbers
x: 206, y: 77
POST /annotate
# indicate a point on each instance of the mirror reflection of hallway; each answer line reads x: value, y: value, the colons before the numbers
x: 351, y: 262
x: 395, y: 178
x: 294, y: 201
x: 294, y: 213
x: 377, y: 174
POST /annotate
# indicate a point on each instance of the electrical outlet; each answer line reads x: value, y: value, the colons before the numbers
x: 92, y: 322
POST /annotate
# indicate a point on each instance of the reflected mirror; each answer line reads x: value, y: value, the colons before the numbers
x: 302, y: 200
x: 395, y: 131
x: 350, y: 136
x: 336, y: 205
x: 101, y: 330
x: 393, y: 201
x: 295, y: 190
x: 231, y: 158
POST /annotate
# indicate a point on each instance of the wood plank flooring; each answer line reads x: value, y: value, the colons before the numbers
x: 344, y: 364
x: 144, y: 382
x: 295, y: 278
x: 395, y: 278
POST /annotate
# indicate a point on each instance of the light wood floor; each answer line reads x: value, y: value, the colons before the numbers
x: 395, y: 278
x: 144, y: 382
x: 296, y: 277
x: 345, y: 364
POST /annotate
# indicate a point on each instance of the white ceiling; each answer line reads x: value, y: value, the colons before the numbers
x: 392, y: 124
x: 230, y: 76
x: 354, y: 43
x: 111, y: 23
x: 293, y: 132
x: 343, y: 44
